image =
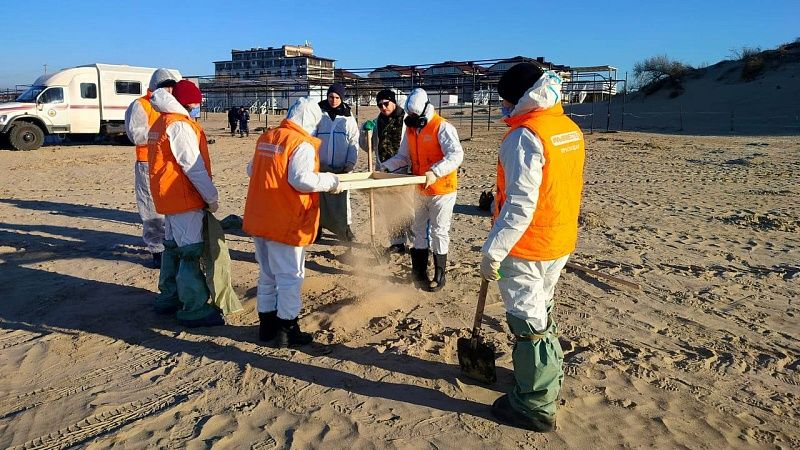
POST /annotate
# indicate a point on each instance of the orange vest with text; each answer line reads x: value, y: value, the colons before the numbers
x: 172, y: 190
x: 152, y: 116
x: 553, y: 232
x: 275, y: 210
x: 425, y: 151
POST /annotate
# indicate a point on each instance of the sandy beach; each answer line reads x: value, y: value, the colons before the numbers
x: 704, y: 355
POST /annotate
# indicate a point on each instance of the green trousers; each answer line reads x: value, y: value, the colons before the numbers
x: 167, y: 298
x: 538, y: 369
x: 193, y: 291
x: 181, y: 283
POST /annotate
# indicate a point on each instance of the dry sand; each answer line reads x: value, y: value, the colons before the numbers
x: 704, y: 356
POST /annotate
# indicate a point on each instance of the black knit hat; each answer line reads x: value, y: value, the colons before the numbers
x: 386, y: 94
x: 338, y: 88
x: 518, y: 79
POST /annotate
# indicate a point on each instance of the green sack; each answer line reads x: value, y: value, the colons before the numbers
x: 217, y: 262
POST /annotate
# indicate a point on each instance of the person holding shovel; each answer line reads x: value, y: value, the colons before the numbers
x: 180, y: 181
x: 534, y: 231
x: 282, y: 214
x: 432, y: 149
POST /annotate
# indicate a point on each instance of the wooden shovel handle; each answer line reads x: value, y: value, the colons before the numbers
x: 476, y: 327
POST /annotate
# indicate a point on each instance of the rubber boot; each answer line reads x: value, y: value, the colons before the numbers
x: 439, y: 266
x: 193, y: 292
x: 268, y: 326
x: 167, y: 299
x: 289, y: 334
x: 419, y: 267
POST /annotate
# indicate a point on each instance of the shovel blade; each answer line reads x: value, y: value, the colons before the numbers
x: 476, y: 359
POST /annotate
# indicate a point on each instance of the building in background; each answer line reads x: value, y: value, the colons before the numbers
x: 288, y: 62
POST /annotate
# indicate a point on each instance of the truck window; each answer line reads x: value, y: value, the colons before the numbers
x: 128, y: 87
x: 52, y: 95
x: 88, y: 90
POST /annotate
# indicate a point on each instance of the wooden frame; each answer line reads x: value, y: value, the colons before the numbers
x: 371, y: 180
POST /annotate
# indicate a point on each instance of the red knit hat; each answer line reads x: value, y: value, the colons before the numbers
x: 186, y: 93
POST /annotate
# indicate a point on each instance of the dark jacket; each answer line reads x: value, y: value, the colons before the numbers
x: 233, y: 115
x: 389, y: 132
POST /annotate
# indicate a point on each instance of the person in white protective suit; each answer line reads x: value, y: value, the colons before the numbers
x: 282, y: 214
x: 180, y: 181
x: 338, y: 153
x: 535, y: 229
x: 139, y: 116
x: 433, y: 149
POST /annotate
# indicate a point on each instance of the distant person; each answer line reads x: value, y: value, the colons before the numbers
x: 282, y: 213
x: 139, y: 117
x: 535, y: 228
x: 180, y: 180
x: 338, y: 154
x: 431, y: 148
x: 244, y: 119
x: 387, y: 136
x: 233, y: 119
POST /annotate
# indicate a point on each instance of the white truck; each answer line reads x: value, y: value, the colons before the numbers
x: 89, y: 99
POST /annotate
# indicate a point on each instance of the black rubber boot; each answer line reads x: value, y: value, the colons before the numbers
x: 439, y: 266
x: 157, y: 260
x: 397, y: 248
x: 419, y: 267
x: 505, y: 413
x: 268, y: 326
x: 289, y: 334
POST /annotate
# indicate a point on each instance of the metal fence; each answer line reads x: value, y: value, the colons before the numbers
x: 465, y: 93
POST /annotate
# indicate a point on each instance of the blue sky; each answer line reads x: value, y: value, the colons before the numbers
x: 190, y: 35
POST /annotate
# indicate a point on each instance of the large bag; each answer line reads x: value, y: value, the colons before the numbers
x: 217, y: 263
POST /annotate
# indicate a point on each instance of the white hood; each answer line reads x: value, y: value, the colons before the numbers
x: 161, y: 75
x: 164, y: 102
x: 544, y: 94
x: 305, y: 113
x: 416, y: 103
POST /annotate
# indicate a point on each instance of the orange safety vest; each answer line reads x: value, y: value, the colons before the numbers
x: 553, y: 232
x: 275, y: 210
x: 425, y: 151
x: 172, y: 190
x: 152, y: 116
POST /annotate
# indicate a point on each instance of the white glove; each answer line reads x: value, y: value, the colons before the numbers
x: 430, y: 178
x: 337, y: 189
x: 490, y: 269
x: 213, y: 207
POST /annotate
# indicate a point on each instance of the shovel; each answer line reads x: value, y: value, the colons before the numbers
x: 475, y: 356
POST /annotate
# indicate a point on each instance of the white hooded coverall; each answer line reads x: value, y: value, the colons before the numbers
x: 434, y: 212
x: 185, y: 228
x: 339, y: 150
x: 527, y: 287
x: 282, y: 266
x: 136, y: 127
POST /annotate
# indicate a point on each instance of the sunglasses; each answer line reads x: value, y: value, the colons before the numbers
x: 384, y: 103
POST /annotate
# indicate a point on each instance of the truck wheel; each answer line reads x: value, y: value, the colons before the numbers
x: 25, y: 136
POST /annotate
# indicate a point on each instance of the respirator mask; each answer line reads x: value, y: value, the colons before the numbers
x: 417, y: 121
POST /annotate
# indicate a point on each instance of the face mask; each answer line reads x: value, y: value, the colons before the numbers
x: 506, y: 112
x: 194, y: 113
x: 417, y: 121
